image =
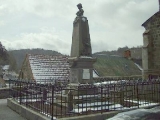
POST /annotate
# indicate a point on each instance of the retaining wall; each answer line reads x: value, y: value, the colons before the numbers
x: 32, y: 115
x: 25, y: 112
x: 4, y: 93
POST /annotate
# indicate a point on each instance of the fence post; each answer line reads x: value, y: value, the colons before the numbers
x: 20, y: 93
x: 70, y: 101
x: 122, y: 97
x: 52, y: 102
x: 137, y: 94
x: 44, y: 95
x: 10, y: 88
x: 101, y: 98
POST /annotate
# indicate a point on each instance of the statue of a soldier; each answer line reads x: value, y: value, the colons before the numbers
x: 81, y: 11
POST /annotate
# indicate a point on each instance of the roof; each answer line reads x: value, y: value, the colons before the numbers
x: 49, y: 67
x: 146, y: 32
x: 151, y: 18
x: 46, y: 67
x: 5, y: 67
x: 116, y: 66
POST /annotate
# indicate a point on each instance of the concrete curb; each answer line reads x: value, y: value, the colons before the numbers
x: 32, y: 115
x: 103, y: 116
x: 98, y: 116
x: 25, y: 112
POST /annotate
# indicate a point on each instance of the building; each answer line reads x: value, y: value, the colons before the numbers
x: 51, y: 69
x: 5, y: 68
x: 151, y: 47
x: 45, y: 68
x: 116, y: 66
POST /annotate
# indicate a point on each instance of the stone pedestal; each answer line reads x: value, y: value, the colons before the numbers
x: 81, y: 70
x: 81, y: 45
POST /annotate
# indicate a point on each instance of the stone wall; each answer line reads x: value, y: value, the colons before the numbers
x: 4, y: 93
x: 25, y: 112
x: 26, y: 72
x: 151, y: 63
x: 155, y: 36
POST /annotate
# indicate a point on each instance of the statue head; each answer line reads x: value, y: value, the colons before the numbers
x: 79, y: 6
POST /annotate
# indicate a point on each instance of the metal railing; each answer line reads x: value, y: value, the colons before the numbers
x: 58, y: 101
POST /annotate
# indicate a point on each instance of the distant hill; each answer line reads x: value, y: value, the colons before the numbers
x: 136, y: 52
x: 19, y: 55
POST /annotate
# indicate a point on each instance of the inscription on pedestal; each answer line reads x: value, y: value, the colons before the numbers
x: 86, y: 74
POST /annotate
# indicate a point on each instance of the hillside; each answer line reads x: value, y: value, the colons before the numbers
x: 19, y: 55
x: 136, y: 52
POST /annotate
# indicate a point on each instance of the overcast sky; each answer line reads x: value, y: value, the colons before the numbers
x: 48, y: 24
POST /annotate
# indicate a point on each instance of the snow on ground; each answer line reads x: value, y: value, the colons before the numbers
x: 139, y: 114
x: 97, y: 106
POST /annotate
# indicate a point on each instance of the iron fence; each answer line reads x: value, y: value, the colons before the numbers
x: 58, y: 101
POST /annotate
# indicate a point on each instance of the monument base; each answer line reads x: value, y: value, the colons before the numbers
x: 81, y: 69
x: 82, y: 89
x: 77, y: 94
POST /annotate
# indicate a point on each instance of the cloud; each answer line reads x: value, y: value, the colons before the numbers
x: 120, y: 22
x: 48, y: 24
x: 45, y: 39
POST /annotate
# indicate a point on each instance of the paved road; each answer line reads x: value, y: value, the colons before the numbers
x: 6, y: 113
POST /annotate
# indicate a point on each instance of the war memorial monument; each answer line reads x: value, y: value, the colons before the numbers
x: 81, y: 60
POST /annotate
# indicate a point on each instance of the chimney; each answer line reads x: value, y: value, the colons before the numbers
x: 127, y: 54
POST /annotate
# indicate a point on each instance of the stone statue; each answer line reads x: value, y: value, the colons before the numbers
x: 80, y: 60
x: 81, y: 45
x: 81, y: 11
